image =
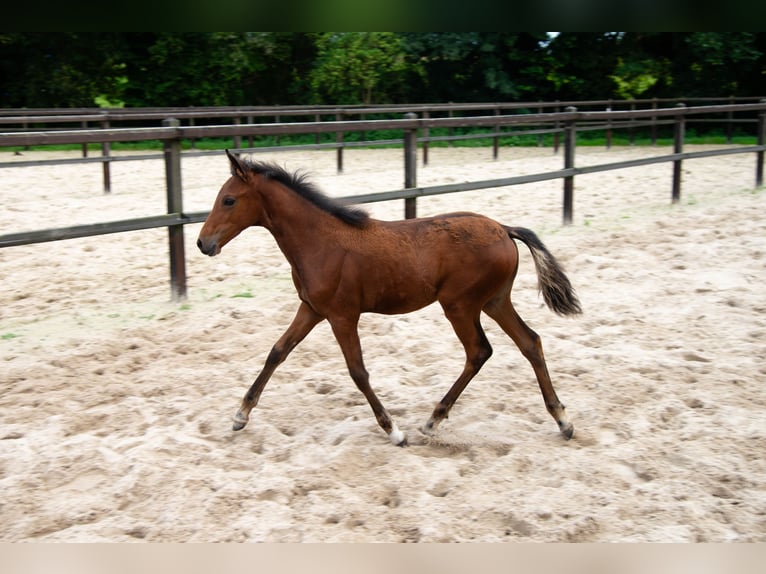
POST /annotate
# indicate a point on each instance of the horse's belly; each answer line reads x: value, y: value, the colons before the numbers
x: 393, y: 298
x: 392, y: 307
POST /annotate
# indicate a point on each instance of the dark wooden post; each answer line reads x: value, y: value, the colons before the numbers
x: 570, y: 142
x: 175, y: 205
x: 631, y: 131
x: 237, y: 138
x: 277, y: 120
x: 556, y: 136
x: 496, y: 138
x: 410, y: 166
x: 25, y: 127
x: 759, y: 154
x: 339, y: 141
x: 654, y: 122
x: 609, y: 127
x: 192, y: 141
x: 105, y: 150
x: 678, y: 147
x: 84, y: 125
x: 426, y: 134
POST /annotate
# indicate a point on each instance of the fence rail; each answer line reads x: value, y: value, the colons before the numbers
x: 29, y: 115
x: 568, y: 123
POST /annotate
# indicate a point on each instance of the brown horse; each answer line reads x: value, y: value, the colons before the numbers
x: 345, y: 263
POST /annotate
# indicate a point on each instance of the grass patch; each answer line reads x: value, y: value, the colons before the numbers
x: 243, y: 295
x: 9, y: 336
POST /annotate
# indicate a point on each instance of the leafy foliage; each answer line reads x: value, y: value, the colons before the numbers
x: 357, y: 67
x: 80, y: 69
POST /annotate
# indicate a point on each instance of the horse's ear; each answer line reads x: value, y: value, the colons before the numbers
x: 236, y: 166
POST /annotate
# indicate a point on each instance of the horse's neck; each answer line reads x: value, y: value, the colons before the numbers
x: 300, y: 228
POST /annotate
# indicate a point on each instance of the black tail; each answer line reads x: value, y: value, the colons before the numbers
x: 553, y: 283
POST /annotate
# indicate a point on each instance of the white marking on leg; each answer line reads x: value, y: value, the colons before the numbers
x: 396, y: 436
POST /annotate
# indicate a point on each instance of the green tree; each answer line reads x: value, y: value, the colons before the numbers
x: 582, y: 65
x: 358, y: 67
x: 218, y: 68
x: 477, y: 66
x: 689, y: 64
x: 638, y: 72
x: 79, y: 69
x: 59, y: 69
x: 723, y: 62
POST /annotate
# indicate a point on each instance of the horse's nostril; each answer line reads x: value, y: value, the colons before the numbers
x: 207, y: 247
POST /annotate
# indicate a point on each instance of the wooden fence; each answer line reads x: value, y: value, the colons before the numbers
x: 567, y: 123
x: 24, y: 119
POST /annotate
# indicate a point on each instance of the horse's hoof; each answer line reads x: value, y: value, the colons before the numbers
x: 239, y: 422
x: 567, y: 430
x: 397, y: 437
x: 429, y: 428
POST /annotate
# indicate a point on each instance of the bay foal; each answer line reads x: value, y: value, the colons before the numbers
x: 345, y: 263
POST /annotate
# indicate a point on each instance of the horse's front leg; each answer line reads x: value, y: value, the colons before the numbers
x: 346, y: 333
x: 305, y: 320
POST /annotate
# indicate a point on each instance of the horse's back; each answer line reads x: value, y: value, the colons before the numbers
x: 452, y: 235
x: 450, y: 253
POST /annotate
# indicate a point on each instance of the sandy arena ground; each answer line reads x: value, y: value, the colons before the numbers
x: 116, y: 403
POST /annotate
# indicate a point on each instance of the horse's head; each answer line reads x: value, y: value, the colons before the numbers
x: 237, y: 207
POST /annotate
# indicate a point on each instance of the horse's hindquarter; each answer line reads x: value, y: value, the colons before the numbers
x: 406, y: 265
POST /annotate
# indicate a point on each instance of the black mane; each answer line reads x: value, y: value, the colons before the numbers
x: 299, y: 183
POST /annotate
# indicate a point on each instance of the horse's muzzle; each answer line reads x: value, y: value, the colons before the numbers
x: 208, y: 248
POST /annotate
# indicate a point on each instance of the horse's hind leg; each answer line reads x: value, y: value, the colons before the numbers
x: 502, y: 311
x: 477, y: 351
x: 305, y: 320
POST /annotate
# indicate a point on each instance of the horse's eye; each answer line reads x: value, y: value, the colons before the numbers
x: 229, y: 201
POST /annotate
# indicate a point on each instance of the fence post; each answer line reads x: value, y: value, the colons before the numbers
x: 496, y: 138
x: 570, y: 142
x: 556, y: 136
x: 654, y: 122
x: 237, y: 138
x: 192, y: 141
x: 105, y: 150
x: 426, y: 134
x: 410, y: 166
x: 84, y: 125
x: 678, y: 147
x: 277, y: 120
x: 339, y: 140
x: 172, y: 149
x: 609, y: 127
x: 759, y: 154
x: 631, y: 132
